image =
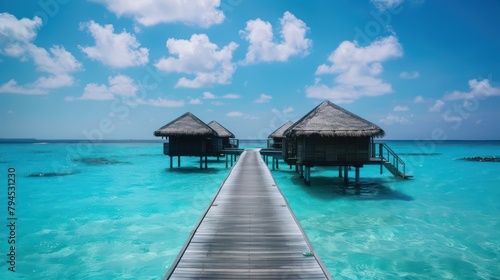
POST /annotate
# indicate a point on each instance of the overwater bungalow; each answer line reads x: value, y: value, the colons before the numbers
x: 275, y: 139
x: 332, y: 136
x: 187, y: 136
x: 225, y: 138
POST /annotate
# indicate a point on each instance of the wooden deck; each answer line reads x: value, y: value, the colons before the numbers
x: 248, y: 232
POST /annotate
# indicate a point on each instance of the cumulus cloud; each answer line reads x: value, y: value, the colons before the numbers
x: 263, y: 46
x: 203, y: 13
x: 231, y: 96
x: 116, y: 50
x: 264, y: 98
x: 12, y: 87
x: 195, y: 101
x: 14, y: 33
x: 394, y: 119
x: 235, y: 114
x: 438, y: 105
x: 386, y: 4
x: 418, y: 99
x: 409, y: 75
x: 477, y: 89
x: 16, y: 38
x: 356, y: 69
x: 401, y: 108
x: 118, y: 86
x: 201, y: 58
x: 160, y: 102
x: 208, y: 95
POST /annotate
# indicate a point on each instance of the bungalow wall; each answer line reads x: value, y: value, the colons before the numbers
x: 324, y: 151
x: 188, y: 146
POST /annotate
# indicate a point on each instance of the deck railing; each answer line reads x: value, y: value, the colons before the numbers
x: 385, y: 153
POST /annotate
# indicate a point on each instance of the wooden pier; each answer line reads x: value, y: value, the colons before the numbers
x: 248, y: 232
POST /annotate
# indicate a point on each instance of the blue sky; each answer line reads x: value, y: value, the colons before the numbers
x: 120, y: 69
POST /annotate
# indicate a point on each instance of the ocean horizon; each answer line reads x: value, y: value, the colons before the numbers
x: 116, y: 210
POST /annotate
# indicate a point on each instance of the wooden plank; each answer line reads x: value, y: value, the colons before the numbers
x: 248, y: 232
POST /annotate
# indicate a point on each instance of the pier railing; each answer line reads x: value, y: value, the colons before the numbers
x: 387, y: 155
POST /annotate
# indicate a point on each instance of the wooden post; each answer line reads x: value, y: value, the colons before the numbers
x: 178, y: 161
x: 277, y: 164
x: 171, y: 162
x: 226, y: 160
x: 357, y: 175
x: 346, y: 175
x: 301, y: 171
x: 308, y: 175
x: 231, y: 160
x: 206, y: 162
x: 201, y: 162
x: 340, y: 171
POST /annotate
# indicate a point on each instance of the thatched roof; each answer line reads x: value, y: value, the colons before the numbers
x: 280, y: 132
x: 328, y: 119
x: 221, y: 131
x: 185, y: 125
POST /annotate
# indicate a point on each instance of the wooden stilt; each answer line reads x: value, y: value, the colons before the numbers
x: 231, y: 160
x: 301, y: 171
x: 179, y: 161
x: 226, y: 160
x: 201, y: 162
x: 307, y: 174
x: 277, y: 164
x: 273, y: 163
x: 340, y: 171
x: 357, y: 175
x: 206, y: 162
x: 346, y: 175
x: 171, y: 162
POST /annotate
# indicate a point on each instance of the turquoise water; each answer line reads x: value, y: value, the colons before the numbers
x: 116, y: 211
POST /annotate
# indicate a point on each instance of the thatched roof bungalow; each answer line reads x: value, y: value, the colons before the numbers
x: 187, y: 136
x: 224, y: 136
x: 330, y: 135
x: 275, y: 139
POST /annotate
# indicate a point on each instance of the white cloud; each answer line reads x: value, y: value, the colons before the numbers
x: 203, y: 13
x: 160, y: 102
x: 401, y: 108
x: 119, y: 86
x: 288, y: 110
x: 356, y: 69
x: 263, y: 46
x: 201, y: 58
x: 264, y: 98
x: 217, y: 103
x: 231, y: 96
x: 478, y: 89
x: 59, y: 63
x: 235, y: 114
x: 393, y: 119
x: 195, y: 101
x: 438, y: 105
x: 12, y: 87
x: 208, y: 95
x: 112, y: 49
x: 16, y: 38
x: 14, y: 33
x: 409, y: 75
x: 386, y: 4
x: 418, y: 99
